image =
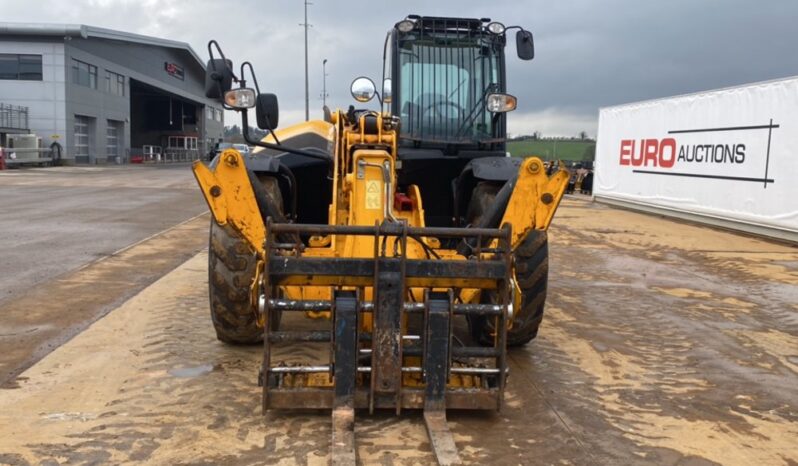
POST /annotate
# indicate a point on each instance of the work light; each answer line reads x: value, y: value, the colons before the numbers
x: 498, y: 103
x: 496, y: 27
x: 240, y: 98
x: 405, y: 25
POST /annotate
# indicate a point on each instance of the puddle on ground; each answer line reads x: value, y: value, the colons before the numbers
x: 83, y: 417
x: 193, y: 371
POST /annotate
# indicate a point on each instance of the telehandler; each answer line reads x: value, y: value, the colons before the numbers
x: 392, y: 224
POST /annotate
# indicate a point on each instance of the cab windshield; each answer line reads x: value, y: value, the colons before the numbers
x: 443, y: 82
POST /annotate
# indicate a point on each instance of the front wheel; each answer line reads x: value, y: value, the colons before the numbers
x: 231, y: 270
x: 531, y: 270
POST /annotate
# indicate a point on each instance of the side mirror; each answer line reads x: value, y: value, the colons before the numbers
x: 218, y: 78
x: 363, y: 89
x: 386, y: 90
x: 267, y: 111
x: 524, y: 45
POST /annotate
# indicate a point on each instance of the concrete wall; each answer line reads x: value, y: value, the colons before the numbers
x: 45, y: 99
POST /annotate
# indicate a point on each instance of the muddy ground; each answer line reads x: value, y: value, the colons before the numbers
x: 663, y: 343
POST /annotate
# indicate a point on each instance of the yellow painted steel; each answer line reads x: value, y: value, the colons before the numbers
x: 535, y: 198
x: 364, y: 185
x: 230, y: 197
x: 318, y: 127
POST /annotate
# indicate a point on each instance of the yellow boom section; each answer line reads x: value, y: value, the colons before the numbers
x: 534, y: 199
x: 228, y: 192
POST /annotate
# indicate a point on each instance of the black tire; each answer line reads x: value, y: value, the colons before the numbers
x: 481, y: 201
x: 532, y: 271
x: 231, y: 269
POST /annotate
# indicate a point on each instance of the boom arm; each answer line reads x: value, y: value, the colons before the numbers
x: 230, y: 197
x: 534, y: 200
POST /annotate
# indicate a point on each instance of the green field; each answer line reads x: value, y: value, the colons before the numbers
x: 550, y: 149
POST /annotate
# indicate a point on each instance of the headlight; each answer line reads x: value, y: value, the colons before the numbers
x: 405, y: 25
x: 240, y: 98
x: 498, y: 103
x: 496, y: 27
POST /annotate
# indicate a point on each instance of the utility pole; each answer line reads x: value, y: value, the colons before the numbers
x: 307, y: 95
x: 324, y: 82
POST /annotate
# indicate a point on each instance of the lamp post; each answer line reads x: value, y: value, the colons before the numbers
x: 307, y: 95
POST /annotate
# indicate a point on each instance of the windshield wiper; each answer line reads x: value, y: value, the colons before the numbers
x: 472, y: 115
x: 457, y: 88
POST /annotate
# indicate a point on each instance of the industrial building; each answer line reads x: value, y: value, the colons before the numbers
x: 104, y: 96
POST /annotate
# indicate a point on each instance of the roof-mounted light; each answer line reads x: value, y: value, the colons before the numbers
x: 496, y: 27
x: 499, y: 103
x: 406, y: 25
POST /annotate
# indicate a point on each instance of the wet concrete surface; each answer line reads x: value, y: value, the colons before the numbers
x: 33, y: 324
x: 79, y: 241
x: 53, y: 220
x: 663, y: 343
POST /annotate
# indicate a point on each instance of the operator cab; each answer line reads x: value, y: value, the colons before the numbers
x: 445, y: 78
x: 444, y: 82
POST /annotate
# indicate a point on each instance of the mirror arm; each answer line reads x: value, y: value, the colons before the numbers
x: 284, y: 171
x: 384, y: 56
x: 278, y: 147
x: 221, y: 54
x: 251, y: 73
x: 257, y: 92
x: 212, y: 43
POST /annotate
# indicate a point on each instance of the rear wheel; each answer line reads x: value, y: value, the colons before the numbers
x: 231, y: 270
x: 531, y: 268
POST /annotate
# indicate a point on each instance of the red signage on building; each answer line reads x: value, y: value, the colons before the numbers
x: 174, y: 70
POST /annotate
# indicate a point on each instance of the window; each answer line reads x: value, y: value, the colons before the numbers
x: 84, y: 74
x: 217, y: 114
x: 21, y: 67
x: 209, y: 113
x: 443, y: 85
x: 114, y: 83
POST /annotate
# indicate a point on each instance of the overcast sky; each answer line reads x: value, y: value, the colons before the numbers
x: 589, y: 53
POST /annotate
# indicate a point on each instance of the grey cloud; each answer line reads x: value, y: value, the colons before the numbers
x: 589, y: 53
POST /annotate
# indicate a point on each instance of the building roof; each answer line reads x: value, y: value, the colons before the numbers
x: 84, y: 31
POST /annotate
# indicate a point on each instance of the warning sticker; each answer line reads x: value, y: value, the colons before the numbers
x: 373, y: 195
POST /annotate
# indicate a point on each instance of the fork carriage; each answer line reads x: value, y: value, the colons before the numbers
x: 377, y: 359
